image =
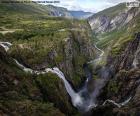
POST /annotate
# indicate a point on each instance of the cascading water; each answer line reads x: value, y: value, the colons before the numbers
x: 83, y: 99
x: 76, y: 99
x: 135, y: 61
x: 6, y: 45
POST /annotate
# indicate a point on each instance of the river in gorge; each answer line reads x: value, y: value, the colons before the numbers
x: 83, y: 100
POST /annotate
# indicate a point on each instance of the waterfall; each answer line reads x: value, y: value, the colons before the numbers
x: 83, y: 100
x: 6, y: 45
x: 23, y: 67
x: 135, y: 61
x: 76, y: 99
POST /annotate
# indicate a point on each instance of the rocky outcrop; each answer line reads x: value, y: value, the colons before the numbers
x: 112, y: 18
x: 78, y: 50
x: 58, y: 11
x: 28, y: 94
x: 69, y: 54
x: 126, y: 79
x: 127, y: 56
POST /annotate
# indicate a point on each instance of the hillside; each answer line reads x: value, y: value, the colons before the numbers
x: 113, y: 24
x: 38, y: 9
x: 39, y: 42
x: 51, y: 64
x: 116, y: 31
x: 81, y: 14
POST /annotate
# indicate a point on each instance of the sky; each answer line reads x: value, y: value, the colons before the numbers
x: 87, y: 5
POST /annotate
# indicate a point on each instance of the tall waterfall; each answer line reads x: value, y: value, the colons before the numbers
x: 83, y: 100
x: 75, y: 97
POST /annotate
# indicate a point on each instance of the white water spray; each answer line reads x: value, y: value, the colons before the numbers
x: 135, y: 61
x: 77, y: 98
x: 6, y: 45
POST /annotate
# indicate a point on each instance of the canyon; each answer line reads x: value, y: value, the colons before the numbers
x: 75, y: 67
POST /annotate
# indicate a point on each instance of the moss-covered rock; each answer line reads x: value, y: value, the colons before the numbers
x: 53, y: 89
x: 19, y: 93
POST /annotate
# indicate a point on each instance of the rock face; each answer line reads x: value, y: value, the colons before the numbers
x: 78, y: 50
x: 126, y: 79
x: 81, y: 14
x: 127, y: 58
x: 63, y: 12
x: 31, y: 94
x: 117, y: 31
x: 112, y: 18
x: 69, y: 54
x: 58, y: 11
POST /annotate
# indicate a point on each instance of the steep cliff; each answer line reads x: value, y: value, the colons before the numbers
x: 112, y: 18
x: 19, y: 95
x: 39, y: 42
x: 117, y: 32
x: 124, y: 82
x: 113, y: 23
x: 67, y: 48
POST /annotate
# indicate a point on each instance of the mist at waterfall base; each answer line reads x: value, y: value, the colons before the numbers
x: 83, y: 100
x: 89, y: 96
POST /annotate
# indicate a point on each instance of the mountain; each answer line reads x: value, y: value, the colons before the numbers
x: 58, y: 11
x: 114, y: 23
x: 33, y: 8
x: 80, y: 14
x: 55, y: 65
x: 48, y: 10
x: 32, y: 40
x: 109, y: 19
x: 63, y: 12
x: 116, y: 31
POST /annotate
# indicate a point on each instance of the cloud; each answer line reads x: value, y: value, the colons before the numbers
x: 118, y: 1
x: 88, y: 5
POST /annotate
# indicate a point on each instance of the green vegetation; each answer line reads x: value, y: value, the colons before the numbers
x: 113, y: 87
x: 41, y: 41
x: 118, y: 38
x: 21, y: 91
x: 54, y: 90
x: 112, y: 11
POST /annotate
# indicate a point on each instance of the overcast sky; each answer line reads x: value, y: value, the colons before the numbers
x: 87, y: 5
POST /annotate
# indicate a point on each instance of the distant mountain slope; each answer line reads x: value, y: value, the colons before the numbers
x: 30, y: 8
x: 117, y: 32
x: 58, y: 11
x: 34, y: 9
x: 41, y: 41
x: 109, y: 19
x: 63, y: 12
x: 81, y: 14
x: 38, y: 9
x: 114, y: 23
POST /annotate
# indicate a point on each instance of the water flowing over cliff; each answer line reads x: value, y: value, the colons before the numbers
x: 83, y: 100
x: 56, y: 66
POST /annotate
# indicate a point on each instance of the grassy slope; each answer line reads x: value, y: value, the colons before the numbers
x: 19, y: 93
x: 35, y: 36
x: 110, y: 12
x: 39, y: 35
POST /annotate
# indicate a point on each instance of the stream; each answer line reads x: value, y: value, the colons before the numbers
x: 83, y: 100
x: 99, y: 58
